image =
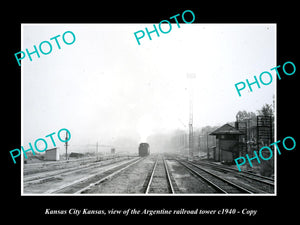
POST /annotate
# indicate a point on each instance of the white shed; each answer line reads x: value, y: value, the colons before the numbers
x: 52, y: 154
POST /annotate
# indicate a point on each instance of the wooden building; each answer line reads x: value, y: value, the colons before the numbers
x: 227, y: 143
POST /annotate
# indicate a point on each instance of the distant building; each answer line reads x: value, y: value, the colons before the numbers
x: 52, y: 154
x: 75, y: 155
x: 112, y: 151
x: 227, y: 143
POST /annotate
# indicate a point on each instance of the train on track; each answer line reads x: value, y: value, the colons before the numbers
x: 144, y: 149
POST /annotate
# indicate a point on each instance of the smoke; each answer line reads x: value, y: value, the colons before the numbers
x: 145, y: 127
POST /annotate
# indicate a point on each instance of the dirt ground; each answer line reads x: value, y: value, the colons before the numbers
x: 129, y: 181
x: 48, y: 177
x: 187, y: 182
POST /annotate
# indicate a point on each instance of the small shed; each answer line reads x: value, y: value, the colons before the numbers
x: 227, y: 143
x: 112, y: 151
x: 52, y: 154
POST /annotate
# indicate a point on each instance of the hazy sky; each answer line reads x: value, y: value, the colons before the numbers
x: 106, y: 86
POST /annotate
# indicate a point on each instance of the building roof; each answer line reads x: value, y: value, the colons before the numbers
x: 51, y: 149
x: 226, y: 129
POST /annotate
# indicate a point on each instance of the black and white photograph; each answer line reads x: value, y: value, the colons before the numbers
x: 135, y: 113
x: 103, y: 114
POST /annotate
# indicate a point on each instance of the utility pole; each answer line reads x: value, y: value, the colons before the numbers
x: 207, y: 145
x: 191, y: 134
x: 97, y: 151
x: 66, y: 144
x: 190, y: 77
x: 199, y: 144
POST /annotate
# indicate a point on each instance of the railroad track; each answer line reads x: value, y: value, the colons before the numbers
x: 29, y: 169
x: 251, y: 176
x: 160, y: 180
x: 220, y: 184
x: 55, y: 174
x: 84, y: 184
x: 51, y: 175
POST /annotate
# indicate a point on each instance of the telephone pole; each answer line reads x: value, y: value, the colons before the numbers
x: 66, y: 144
x: 207, y: 145
x: 97, y: 151
x: 190, y: 77
x: 191, y: 134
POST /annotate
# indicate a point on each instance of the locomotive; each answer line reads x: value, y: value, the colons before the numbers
x: 144, y: 149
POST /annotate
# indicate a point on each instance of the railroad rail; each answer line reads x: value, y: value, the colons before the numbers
x: 160, y: 181
x: 33, y: 168
x: 55, y: 174
x: 245, y: 174
x: 220, y: 184
x: 84, y: 184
